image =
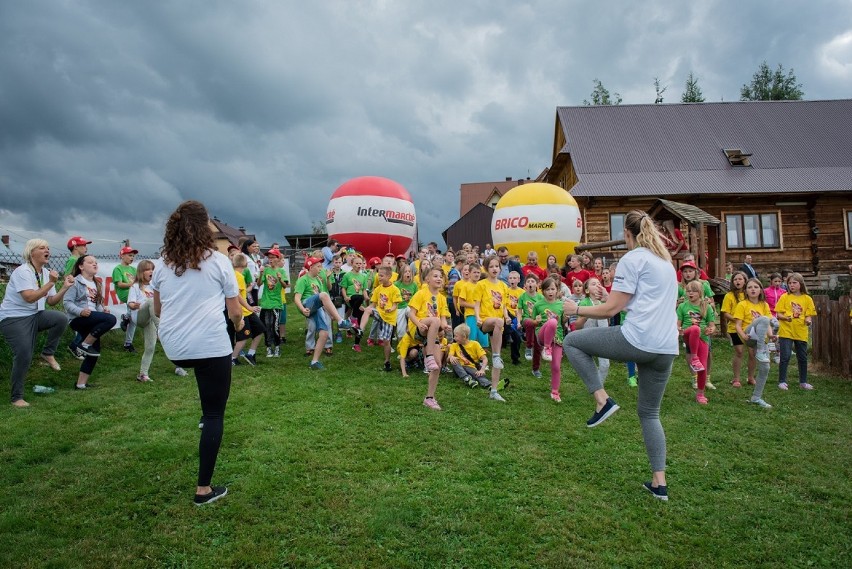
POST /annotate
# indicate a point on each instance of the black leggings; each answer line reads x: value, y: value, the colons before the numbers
x: 96, y: 325
x: 213, y: 376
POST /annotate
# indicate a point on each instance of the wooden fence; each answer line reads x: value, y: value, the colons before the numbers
x: 832, y: 335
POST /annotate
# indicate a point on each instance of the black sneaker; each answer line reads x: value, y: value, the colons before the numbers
x: 90, y: 352
x: 660, y: 492
x: 125, y: 321
x: 75, y: 351
x: 235, y: 362
x: 250, y: 359
x: 215, y: 493
x: 129, y: 348
x: 388, y: 366
x: 85, y: 386
x: 602, y: 415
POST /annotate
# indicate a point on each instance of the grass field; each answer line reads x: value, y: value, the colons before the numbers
x: 345, y: 467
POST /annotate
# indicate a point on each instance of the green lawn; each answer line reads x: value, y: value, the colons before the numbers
x: 345, y: 467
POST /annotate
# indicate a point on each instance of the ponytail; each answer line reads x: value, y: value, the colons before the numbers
x: 643, y: 229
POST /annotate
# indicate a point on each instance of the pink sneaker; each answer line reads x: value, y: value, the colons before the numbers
x: 430, y: 364
x: 736, y: 383
x: 555, y: 396
x: 356, y: 348
x: 695, y: 365
x: 370, y: 342
x: 431, y: 403
x: 806, y: 386
x: 700, y: 399
x: 547, y: 353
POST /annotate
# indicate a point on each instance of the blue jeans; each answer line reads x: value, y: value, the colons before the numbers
x: 787, y: 347
x: 314, y: 304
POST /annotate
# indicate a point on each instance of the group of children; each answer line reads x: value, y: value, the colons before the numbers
x: 449, y: 316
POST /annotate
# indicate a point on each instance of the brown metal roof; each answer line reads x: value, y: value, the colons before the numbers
x: 641, y: 150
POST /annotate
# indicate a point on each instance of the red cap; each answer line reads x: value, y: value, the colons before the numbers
x: 232, y: 247
x: 398, y: 257
x: 375, y: 261
x: 311, y: 261
x: 688, y: 265
x: 76, y: 241
x: 128, y: 250
x: 273, y: 253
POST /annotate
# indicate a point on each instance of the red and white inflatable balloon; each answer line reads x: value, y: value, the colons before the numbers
x: 375, y: 215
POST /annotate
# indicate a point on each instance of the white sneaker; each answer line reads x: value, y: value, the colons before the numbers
x: 762, y: 403
x: 180, y: 372
x: 495, y: 396
x: 762, y: 357
x: 269, y: 353
x: 277, y: 352
x: 497, y: 361
x: 528, y: 354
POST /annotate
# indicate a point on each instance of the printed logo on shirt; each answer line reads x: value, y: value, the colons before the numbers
x: 755, y: 314
x: 383, y: 300
x: 695, y: 317
x: 496, y: 299
x: 797, y: 309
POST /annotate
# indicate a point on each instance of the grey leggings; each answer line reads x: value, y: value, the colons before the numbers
x: 581, y: 346
x: 21, y: 334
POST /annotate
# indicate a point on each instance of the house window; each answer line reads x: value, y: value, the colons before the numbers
x: 616, y: 228
x: 753, y: 231
x: 847, y: 218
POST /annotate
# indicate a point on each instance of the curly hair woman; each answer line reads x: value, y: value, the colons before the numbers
x: 191, y: 286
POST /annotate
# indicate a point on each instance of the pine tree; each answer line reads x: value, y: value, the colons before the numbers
x: 692, y: 92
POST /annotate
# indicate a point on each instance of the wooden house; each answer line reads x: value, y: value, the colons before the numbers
x: 775, y: 175
x: 225, y: 235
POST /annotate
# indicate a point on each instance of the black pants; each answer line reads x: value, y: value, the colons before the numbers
x: 96, y: 325
x: 213, y: 376
x: 269, y: 317
x: 514, y: 339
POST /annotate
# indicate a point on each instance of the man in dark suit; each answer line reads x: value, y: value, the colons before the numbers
x: 507, y: 265
x: 746, y: 267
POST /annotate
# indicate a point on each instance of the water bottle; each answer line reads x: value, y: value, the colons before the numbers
x: 42, y: 389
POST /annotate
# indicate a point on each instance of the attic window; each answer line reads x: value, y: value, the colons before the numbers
x: 737, y: 157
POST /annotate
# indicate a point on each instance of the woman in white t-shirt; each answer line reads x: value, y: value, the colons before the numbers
x: 22, y: 314
x: 645, y: 286
x: 191, y: 284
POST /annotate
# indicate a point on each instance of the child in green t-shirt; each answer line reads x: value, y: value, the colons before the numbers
x: 526, y: 304
x: 272, y: 281
x: 123, y: 277
x: 548, y: 315
x: 696, y: 320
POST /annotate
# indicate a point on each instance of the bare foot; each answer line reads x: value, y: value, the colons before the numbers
x: 51, y: 361
x: 20, y: 403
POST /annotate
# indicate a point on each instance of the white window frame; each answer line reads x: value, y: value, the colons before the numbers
x: 738, y: 226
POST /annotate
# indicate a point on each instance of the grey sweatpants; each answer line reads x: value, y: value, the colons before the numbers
x: 581, y: 346
x: 21, y: 334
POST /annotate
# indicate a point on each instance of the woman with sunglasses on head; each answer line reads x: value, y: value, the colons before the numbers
x: 646, y: 288
x: 30, y: 289
x: 191, y: 285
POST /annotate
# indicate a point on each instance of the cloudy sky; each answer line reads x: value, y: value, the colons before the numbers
x: 111, y: 113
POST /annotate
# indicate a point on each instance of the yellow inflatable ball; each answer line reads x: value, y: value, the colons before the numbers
x: 537, y: 217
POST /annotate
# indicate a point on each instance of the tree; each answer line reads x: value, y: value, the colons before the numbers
x: 660, y: 90
x: 318, y: 227
x: 601, y: 96
x: 692, y: 92
x: 767, y: 85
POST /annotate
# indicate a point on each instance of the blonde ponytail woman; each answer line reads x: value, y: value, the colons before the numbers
x: 646, y: 288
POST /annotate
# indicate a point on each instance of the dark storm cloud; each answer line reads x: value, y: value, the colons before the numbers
x: 111, y: 113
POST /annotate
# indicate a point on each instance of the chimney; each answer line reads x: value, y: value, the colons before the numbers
x: 242, y: 229
x: 5, y: 240
x: 508, y: 178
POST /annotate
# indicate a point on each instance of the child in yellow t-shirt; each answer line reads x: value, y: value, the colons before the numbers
x: 795, y: 311
x: 428, y: 313
x: 467, y: 358
x: 383, y: 303
x: 491, y: 310
x: 512, y: 330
